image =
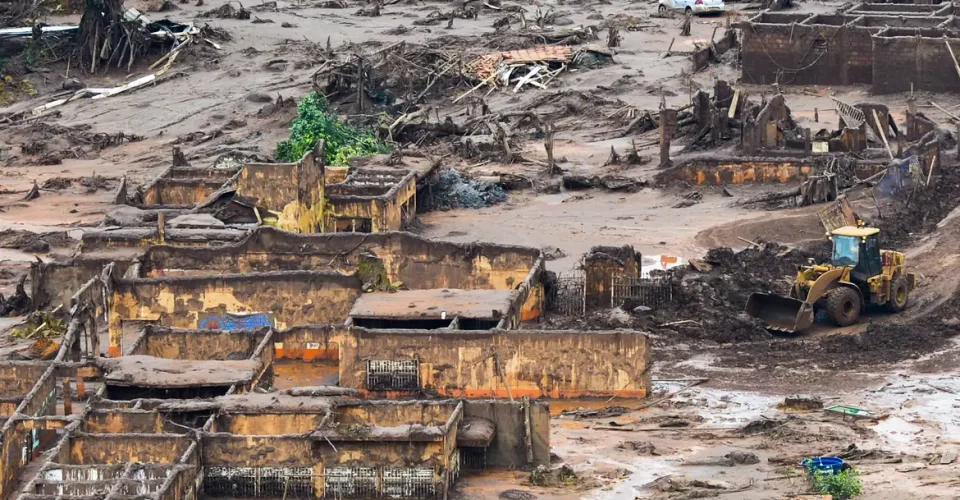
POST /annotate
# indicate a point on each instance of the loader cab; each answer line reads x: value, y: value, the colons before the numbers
x: 858, y: 247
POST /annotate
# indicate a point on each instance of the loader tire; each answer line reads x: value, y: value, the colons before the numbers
x: 899, y: 293
x: 843, y: 306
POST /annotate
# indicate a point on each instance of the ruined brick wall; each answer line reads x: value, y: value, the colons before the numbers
x: 54, y: 283
x: 927, y: 149
x: 134, y: 239
x: 417, y: 262
x: 917, y: 126
x: 120, y: 449
x: 280, y: 299
x: 296, y: 451
x: 703, y: 56
x: 384, y: 211
x: 294, y: 192
x: 738, y: 171
x: 268, y: 423
x: 902, y: 58
x: 16, y: 451
x: 126, y: 421
x: 268, y: 185
x: 535, y: 363
x: 163, y: 342
x: 17, y: 378
x: 179, y: 192
x: 601, y: 265
x: 508, y: 448
x: 393, y: 414
x: 801, y: 54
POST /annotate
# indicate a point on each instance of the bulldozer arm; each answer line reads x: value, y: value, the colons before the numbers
x: 787, y: 314
x: 826, y: 282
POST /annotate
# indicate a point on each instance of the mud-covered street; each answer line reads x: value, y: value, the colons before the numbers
x: 588, y: 249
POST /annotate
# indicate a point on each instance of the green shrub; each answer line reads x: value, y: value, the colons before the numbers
x: 843, y: 486
x: 342, y: 141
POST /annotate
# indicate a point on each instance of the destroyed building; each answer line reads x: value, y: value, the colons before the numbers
x: 893, y: 47
x: 298, y: 365
x: 301, y: 197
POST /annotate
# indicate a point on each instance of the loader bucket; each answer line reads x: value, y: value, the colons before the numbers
x: 781, y: 314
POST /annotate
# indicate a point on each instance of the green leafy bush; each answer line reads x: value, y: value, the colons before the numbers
x: 843, y: 486
x: 342, y: 141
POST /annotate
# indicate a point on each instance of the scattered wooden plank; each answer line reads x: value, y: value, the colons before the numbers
x: 949, y: 114
x: 883, y: 134
x: 953, y: 58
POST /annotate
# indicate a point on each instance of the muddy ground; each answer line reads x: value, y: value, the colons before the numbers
x: 238, y: 98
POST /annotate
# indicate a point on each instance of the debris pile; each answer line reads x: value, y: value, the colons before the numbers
x: 40, y: 323
x: 18, y: 303
x: 451, y: 189
x: 400, y: 74
x: 917, y: 211
x: 31, y: 242
x: 708, y: 299
x: 536, y: 66
x: 50, y: 143
x: 528, y: 38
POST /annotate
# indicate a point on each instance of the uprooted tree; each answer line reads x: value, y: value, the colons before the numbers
x: 106, y: 37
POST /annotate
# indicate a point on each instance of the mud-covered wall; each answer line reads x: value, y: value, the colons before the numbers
x: 392, y: 414
x: 134, y: 239
x: 124, y: 422
x: 547, y: 364
x: 122, y: 448
x: 799, y: 54
x: 297, y: 451
x: 509, y: 446
x: 268, y: 185
x: 293, y: 192
x: 163, y: 342
x: 179, y: 192
x: 417, y: 262
x: 54, y: 283
x: 215, y: 174
x: 279, y: 299
x: 739, y: 170
x: 268, y: 423
x: 920, y: 57
x: 385, y: 212
x: 18, y: 446
x: 601, y: 265
x: 17, y: 378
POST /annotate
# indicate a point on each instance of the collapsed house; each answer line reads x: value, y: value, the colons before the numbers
x: 298, y: 365
x: 235, y: 196
x: 774, y: 148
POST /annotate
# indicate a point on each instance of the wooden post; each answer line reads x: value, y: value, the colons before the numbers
x: 668, y: 126
x: 670, y: 47
x: 528, y: 428
x: 81, y: 390
x: 503, y: 376
x: 548, y: 146
x: 161, y: 228
x: 67, y: 403
x: 883, y: 135
x: 359, y: 84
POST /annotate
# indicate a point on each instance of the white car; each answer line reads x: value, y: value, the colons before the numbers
x: 692, y: 6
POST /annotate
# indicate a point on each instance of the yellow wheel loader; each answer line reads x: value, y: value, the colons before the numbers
x: 859, y: 274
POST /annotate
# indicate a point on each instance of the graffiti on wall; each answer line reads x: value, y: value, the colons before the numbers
x: 236, y: 321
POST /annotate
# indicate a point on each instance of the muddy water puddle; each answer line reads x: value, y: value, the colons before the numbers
x: 290, y: 374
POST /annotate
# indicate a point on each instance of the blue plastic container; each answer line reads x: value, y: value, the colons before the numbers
x: 823, y: 465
